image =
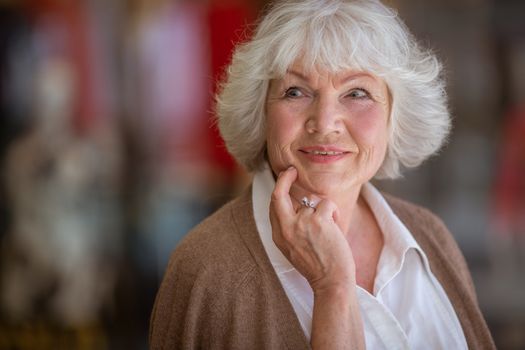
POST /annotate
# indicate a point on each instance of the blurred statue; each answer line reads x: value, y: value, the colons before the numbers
x: 65, y: 235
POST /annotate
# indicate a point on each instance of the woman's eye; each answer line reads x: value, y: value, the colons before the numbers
x: 358, y: 93
x: 293, y: 92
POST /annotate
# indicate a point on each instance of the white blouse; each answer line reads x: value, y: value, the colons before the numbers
x: 408, y: 308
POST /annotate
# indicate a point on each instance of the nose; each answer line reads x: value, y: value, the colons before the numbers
x: 325, y: 116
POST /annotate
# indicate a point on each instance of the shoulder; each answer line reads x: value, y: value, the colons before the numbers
x: 449, y: 267
x: 426, y: 227
x: 415, y: 212
x: 433, y: 236
x: 422, y: 223
x: 216, y: 244
x: 208, y: 271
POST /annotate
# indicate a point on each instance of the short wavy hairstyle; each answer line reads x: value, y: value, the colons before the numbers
x: 336, y: 35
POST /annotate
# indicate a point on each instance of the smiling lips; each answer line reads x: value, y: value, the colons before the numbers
x: 326, y: 153
x: 320, y: 154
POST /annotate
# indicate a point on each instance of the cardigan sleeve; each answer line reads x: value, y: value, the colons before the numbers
x: 221, y: 306
x: 176, y: 321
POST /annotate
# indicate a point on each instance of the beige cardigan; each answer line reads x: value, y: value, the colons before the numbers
x: 220, y: 290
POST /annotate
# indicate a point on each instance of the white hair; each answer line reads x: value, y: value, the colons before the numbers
x: 336, y: 35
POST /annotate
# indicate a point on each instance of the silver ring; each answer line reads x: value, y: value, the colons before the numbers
x: 308, y: 203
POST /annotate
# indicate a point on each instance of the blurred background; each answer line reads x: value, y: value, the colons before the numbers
x: 109, y: 155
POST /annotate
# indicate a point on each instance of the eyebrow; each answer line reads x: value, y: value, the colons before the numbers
x: 358, y: 75
x: 348, y: 78
x: 298, y: 74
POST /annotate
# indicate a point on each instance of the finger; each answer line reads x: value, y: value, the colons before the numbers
x: 328, y: 209
x: 281, y: 201
x: 298, y: 194
x: 305, y: 212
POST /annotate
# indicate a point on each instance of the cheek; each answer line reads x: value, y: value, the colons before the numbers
x: 284, y: 124
x: 370, y: 128
x: 282, y: 131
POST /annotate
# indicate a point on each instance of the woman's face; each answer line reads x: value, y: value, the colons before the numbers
x: 333, y: 128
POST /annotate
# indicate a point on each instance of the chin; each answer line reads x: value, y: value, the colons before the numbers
x: 323, y: 185
x: 330, y: 184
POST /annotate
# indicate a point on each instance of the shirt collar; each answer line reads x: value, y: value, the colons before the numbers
x: 262, y: 188
x: 397, y: 239
x: 395, y: 234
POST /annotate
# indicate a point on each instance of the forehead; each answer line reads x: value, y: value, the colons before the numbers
x: 318, y: 72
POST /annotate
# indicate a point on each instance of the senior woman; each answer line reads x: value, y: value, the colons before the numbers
x: 326, y: 96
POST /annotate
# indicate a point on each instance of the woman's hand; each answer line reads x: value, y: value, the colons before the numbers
x: 310, y: 238
x: 314, y: 244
